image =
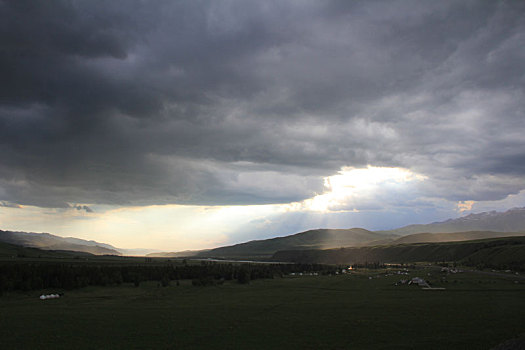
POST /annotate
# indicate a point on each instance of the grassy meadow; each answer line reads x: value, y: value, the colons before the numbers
x: 295, y: 312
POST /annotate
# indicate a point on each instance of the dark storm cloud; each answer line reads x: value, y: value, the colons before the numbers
x: 254, y: 102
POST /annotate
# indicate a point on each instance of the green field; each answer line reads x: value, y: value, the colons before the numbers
x: 302, y: 312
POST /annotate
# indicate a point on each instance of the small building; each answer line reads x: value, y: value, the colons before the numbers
x: 419, y: 281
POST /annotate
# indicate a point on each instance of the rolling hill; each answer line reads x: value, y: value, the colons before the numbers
x: 453, y: 236
x: 48, y: 241
x: 181, y: 254
x: 13, y: 251
x: 312, y: 239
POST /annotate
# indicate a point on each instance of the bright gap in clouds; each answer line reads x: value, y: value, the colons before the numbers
x: 351, y: 185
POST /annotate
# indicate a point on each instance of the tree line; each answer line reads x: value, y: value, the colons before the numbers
x: 39, y: 275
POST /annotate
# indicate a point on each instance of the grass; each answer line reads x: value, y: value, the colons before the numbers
x: 303, y: 312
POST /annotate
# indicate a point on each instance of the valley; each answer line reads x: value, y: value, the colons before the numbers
x: 364, y: 310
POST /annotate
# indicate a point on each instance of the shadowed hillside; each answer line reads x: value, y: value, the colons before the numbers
x: 508, y: 252
x: 313, y: 239
x: 453, y: 237
x: 47, y: 241
x: 13, y: 251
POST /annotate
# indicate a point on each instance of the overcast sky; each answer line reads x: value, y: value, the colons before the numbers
x: 186, y: 124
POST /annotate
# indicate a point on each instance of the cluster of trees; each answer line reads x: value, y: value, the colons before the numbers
x: 509, y: 265
x: 36, y: 275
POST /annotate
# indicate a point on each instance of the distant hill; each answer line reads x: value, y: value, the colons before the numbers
x: 181, y: 254
x: 512, y: 220
x: 8, y: 250
x: 137, y: 251
x: 507, y: 252
x: 48, y: 241
x: 453, y: 237
x: 313, y: 239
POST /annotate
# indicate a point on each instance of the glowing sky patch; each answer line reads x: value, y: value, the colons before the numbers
x: 465, y: 206
x: 351, y: 183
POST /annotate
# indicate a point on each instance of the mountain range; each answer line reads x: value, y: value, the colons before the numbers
x: 470, y: 227
x: 512, y: 220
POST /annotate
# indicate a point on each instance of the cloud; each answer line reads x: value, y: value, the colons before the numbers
x: 83, y: 207
x: 367, y: 189
x: 9, y: 205
x: 465, y: 206
x: 250, y: 103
